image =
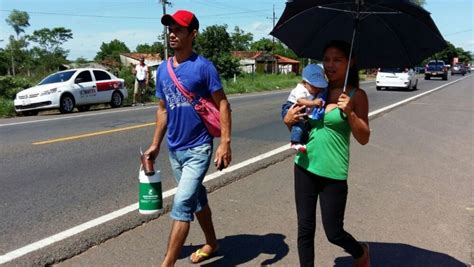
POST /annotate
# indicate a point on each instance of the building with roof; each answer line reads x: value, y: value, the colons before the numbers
x: 265, y: 62
x: 287, y: 65
x: 152, y: 60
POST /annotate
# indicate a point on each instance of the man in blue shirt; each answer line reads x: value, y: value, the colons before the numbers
x: 189, y: 142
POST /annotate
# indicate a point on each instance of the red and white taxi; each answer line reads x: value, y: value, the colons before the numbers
x: 67, y: 89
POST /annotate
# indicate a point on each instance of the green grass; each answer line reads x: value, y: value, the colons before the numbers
x: 260, y: 82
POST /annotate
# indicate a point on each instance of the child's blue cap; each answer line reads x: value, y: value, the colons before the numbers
x: 314, y: 75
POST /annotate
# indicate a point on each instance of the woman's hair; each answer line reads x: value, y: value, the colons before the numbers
x: 345, y: 47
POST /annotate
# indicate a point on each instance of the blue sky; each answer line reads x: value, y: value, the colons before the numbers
x: 136, y: 22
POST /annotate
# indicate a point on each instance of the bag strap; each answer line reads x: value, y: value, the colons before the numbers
x: 191, y: 98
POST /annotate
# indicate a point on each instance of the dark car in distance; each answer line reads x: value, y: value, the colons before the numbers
x: 436, y: 68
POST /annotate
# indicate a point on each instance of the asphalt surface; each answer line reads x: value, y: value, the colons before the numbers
x: 50, y: 188
x: 410, y: 198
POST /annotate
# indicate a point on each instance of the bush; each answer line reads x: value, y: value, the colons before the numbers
x: 6, y: 108
x: 10, y: 85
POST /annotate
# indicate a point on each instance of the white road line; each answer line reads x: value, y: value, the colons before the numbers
x: 131, y: 208
x: 113, y: 215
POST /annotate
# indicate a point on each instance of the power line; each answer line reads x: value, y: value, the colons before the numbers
x: 469, y: 30
x: 129, y: 17
x: 79, y: 15
x: 234, y: 13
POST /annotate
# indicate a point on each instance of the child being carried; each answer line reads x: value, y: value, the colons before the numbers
x: 311, y: 92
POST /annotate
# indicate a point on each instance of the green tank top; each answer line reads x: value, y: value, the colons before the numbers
x: 327, y: 150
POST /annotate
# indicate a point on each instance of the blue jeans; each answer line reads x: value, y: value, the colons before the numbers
x: 189, y: 167
x: 299, y: 131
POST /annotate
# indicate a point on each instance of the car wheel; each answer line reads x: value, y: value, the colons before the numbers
x: 84, y: 108
x: 117, y: 99
x: 29, y: 113
x: 67, y: 103
x: 378, y: 88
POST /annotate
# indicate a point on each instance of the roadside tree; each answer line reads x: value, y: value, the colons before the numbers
x: 241, y: 41
x: 156, y: 47
x: 18, y: 20
x: 451, y: 52
x: 109, y: 53
x: 419, y: 2
x: 278, y: 47
x: 49, y: 54
x: 215, y: 44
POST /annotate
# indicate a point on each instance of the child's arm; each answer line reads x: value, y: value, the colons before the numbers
x: 318, y: 102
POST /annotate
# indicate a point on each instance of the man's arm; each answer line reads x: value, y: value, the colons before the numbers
x: 223, y: 153
x: 160, y: 130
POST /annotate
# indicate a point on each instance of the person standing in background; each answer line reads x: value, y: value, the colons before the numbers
x: 141, y: 80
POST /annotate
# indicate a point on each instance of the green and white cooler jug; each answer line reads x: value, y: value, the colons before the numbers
x: 150, y: 196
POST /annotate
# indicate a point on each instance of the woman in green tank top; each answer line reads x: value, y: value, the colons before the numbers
x: 322, y: 171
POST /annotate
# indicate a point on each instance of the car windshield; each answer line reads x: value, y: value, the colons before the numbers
x: 393, y: 70
x: 436, y: 64
x: 58, y: 77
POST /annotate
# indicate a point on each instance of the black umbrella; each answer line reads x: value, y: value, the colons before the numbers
x: 383, y: 33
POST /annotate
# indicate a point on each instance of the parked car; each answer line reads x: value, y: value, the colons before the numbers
x: 420, y: 69
x: 68, y: 89
x: 396, y: 77
x: 458, y: 69
x: 436, y: 68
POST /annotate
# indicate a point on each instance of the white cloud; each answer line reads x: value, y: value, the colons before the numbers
x: 260, y: 30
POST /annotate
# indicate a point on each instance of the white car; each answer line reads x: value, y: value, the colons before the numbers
x: 396, y: 77
x: 67, y: 89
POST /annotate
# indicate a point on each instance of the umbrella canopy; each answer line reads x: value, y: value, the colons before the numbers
x: 388, y: 33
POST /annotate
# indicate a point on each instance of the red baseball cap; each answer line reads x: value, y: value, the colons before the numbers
x: 183, y: 18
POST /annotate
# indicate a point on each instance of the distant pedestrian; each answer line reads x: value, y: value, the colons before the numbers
x: 189, y: 142
x: 310, y: 93
x: 141, y: 81
x: 322, y: 171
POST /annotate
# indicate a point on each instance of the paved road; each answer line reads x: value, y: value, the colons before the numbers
x: 61, y: 185
x: 410, y: 198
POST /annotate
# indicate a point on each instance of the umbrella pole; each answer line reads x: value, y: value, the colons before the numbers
x: 350, y: 57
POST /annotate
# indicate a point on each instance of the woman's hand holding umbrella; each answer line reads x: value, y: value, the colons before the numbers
x: 344, y: 103
x: 295, y: 113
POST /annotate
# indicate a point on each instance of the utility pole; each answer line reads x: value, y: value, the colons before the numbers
x: 274, y: 18
x: 165, y: 29
x: 273, y: 38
